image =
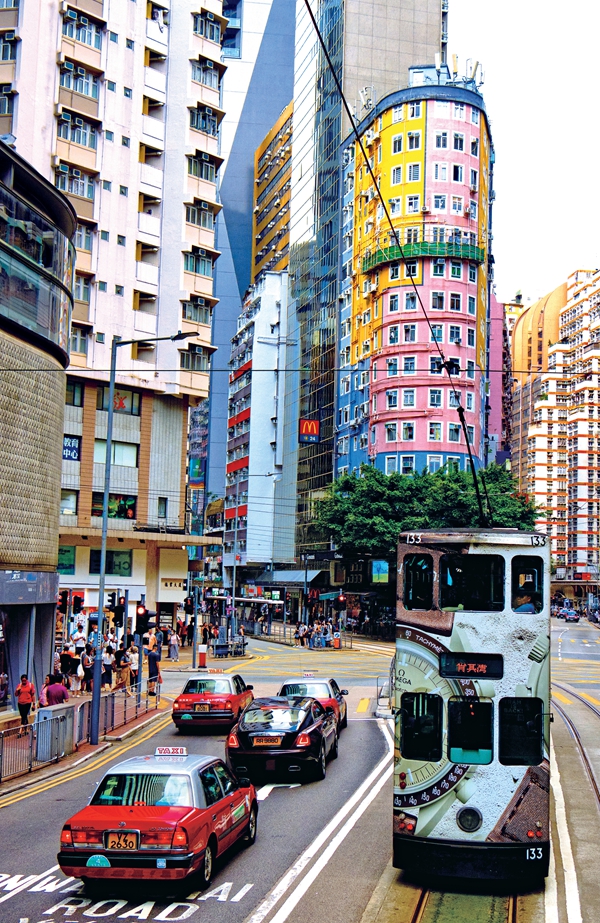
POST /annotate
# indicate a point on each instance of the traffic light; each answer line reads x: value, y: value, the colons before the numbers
x: 112, y: 601
x: 119, y: 613
x: 339, y: 604
x: 188, y: 605
x: 141, y: 619
x: 77, y: 602
x: 63, y: 605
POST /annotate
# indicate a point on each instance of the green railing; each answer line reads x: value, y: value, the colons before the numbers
x: 424, y: 248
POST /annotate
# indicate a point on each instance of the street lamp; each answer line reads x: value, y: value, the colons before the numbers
x: 96, y: 689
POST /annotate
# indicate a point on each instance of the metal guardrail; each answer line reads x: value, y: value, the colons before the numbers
x: 24, y: 749
x: 284, y: 634
x: 116, y: 710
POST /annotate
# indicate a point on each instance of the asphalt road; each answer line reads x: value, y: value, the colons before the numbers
x: 321, y: 846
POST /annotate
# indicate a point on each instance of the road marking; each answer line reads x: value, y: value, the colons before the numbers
x: 564, y: 843
x: 382, y: 769
x: 266, y: 790
x: 551, y: 893
x: 561, y: 698
x: 27, y: 882
x: 590, y: 698
x: 363, y: 705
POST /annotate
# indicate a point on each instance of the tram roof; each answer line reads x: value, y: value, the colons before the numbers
x: 502, y: 536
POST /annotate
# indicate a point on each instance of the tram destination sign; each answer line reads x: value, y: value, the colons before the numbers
x: 457, y: 665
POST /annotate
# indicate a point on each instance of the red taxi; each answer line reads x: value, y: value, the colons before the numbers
x: 160, y: 817
x: 325, y: 691
x: 211, y: 698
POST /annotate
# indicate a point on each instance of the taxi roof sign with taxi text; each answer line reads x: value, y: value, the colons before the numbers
x: 171, y: 751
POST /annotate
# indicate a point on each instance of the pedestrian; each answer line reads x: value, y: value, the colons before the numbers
x: 297, y: 635
x: 125, y: 672
x: 153, y: 671
x: 88, y: 669
x: 134, y: 655
x: 56, y: 691
x: 65, y: 660
x: 205, y: 633
x: 44, y: 691
x: 78, y: 639
x: 76, y: 674
x: 108, y: 662
x: 25, y: 693
x: 159, y: 641
x: 118, y: 658
x: 183, y: 633
x: 174, y: 647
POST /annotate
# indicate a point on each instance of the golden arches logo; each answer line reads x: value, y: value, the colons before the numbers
x: 309, y: 430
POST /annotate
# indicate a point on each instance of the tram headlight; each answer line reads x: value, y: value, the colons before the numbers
x: 469, y: 819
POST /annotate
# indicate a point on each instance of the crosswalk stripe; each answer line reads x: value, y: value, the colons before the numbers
x: 363, y: 705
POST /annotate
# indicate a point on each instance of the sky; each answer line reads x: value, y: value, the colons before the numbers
x: 541, y: 92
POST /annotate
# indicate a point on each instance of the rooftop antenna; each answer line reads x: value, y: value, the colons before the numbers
x: 438, y: 64
x: 474, y: 70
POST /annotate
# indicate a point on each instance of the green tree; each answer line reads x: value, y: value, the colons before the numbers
x: 365, y: 513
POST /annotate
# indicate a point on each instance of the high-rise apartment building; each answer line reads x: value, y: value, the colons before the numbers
x: 557, y: 420
x: 259, y: 50
x: 370, y: 48
x: 119, y: 105
x: 418, y: 286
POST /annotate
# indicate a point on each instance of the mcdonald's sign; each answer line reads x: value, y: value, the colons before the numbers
x: 309, y: 430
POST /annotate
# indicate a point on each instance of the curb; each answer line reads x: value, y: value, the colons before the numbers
x: 35, y: 778
x: 159, y: 713
x: 377, y: 900
x: 197, y: 669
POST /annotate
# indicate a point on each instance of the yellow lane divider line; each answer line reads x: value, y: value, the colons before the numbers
x: 106, y: 757
x: 363, y: 705
x: 561, y: 698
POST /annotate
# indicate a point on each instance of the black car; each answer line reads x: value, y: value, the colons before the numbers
x: 294, y: 734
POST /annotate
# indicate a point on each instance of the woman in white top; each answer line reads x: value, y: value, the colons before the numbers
x: 108, y: 662
x: 135, y: 663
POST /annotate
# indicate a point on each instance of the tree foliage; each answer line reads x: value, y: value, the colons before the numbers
x: 365, y: 513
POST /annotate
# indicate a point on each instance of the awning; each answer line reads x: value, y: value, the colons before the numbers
x: 330, y: 595
x: 287, y: 576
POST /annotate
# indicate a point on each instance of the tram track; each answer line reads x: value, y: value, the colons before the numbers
x: 574, y: 732
x: 448, y: 907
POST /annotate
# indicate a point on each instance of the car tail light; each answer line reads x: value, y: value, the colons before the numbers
x: 86, y: 837
x: 180, y: 838
x: 157, y: 838
x: 228, y: 705
x: 303, y: 740
x: 66, y: 838
x: 232, y: 740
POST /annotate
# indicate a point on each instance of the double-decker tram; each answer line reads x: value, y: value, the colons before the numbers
x: 471, y: 704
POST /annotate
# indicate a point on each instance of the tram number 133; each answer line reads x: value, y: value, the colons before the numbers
x: 534, y: 852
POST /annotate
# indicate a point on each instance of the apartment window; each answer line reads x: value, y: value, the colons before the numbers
x: 203, y: 119
x: 459, y: 110
x: 104, y: 235
x: 397, y: 113
x: 395, y: 206
x: 393, y: 335
x: 391, y: 464
x: 474, y: 179
x: 74, y: 393
x: 453, y: 463
x: 207, y: 27
x: 437, y: 301
x: 111, y: 85
x: 205, y: 73
x: 396, y: 176
x: 408, y: 464
x: 408, y: 397
x: 470, y: 400
x: 434, y: 433
x: 128, y: 92
x: 471, y: 304
x: 109, y: 135
x: 202, y: 168
x: 408, y: 432
x: 83, y: 237
x: 457, y: 204
x: 125, y: 141
x: 411, y: 269
x: 121, y: 240
x: 412, y: 235
x: 397, y: 144
x: 391, y: 432
x: 439, y: 203
x: 106, y: 184
x: 471, y: 434
x: 194, y: 359
x: 454, y: 399
x: 454, y: 366
x: 439, y: 268
x: 120, y: 290
x: 414, y: 110
x: 455, y: 269
x: 409, y: 365
x: 459, y: 142
x: 455, y: 301
x: 102, y: 287
x: 453, y: 432
x: 435, y: 397
x: 434, y: 463
x: 410, y: 333
x: 474, y: 116
x: 81, y: 289
x: 393, y: 303
x: 440, y: 171
x: 437, y: 333
x: 394, y: 272
x: 196, y: 310
x: 124, y: 454
x: 410, y: 301
x: 475, y: 147
x: 414, y: 140
x: 78, y: 131
x: 124, y: 190
x: 81, y: 81
x: 435, y: 365
x: 392, y: 367
x: 441, y: 139
x: 414, y: 172
x: 125, y: 401
x: 374, y: 403
x: 88, y: 33
x: 412, y: 204
x: 472, y: 272
x: 79, y: 340
x: 163, y: 505
x: 113, y: 36
x: 68, y: 502
x: 197, y: 262
x: 454, y: 334
x: 391, y: 400
x: 470, y: 369
x: 470, y: 336
x: 457, y: 173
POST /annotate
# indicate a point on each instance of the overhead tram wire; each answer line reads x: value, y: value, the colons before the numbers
x: 444, y: 363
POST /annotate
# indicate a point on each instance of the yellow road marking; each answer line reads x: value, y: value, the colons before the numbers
x: 590, y: 698
x: 363, y: 705
x: 106, y: 757
x: 561, y: 698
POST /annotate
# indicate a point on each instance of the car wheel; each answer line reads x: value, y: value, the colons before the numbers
x: 333, y: 753
x: 250, y: 835
x: 321, y: 767
x: 344, y: 721
x: 205, y: 872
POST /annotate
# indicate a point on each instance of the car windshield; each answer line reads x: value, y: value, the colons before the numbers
x: 145, y: 789
x: 266, y: 718
x: 195, y: 686
x: 316, y: 690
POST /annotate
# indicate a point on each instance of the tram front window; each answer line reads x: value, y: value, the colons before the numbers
x: 521, y: 731
x: 418, y: 581
x: 472, y: 581
x: 421, y: 729
x: 527, y: 583
x: 470, y: 731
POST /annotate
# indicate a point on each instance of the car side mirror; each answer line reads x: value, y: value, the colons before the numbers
x: 249, y: 688
x: 244, y: 782
x: 344, y: 692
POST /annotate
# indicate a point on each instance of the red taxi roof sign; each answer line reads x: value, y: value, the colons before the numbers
x: 171, y: 751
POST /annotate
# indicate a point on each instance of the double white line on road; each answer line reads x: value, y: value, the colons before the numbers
x: 326, y: 843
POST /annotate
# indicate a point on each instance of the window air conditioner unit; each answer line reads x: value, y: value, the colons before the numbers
x: 84, y: 20
x: 256, y: 209
x: 209, y: 64
x: 63, y: 168
x: 68, y: 66
x: 204, y: 204
x: 425, y: 209
x: 81, y: 71
x: 55, y: 160
x: 76, y: 172
x: 205, y: 156
x: 66, y: 116
x: 79, y: 122
x: 210, y: 16
x: 208, y: 110
x: 71, y: 14
x: 7, y: 88
x: 9, y: 36
x: 202, y: 252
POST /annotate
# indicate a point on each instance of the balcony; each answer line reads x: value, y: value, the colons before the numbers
x: 9, y: 19
x: 153, y: 128
x: 199, y: 237
x: 87, y: 105
x: 77, y: 154
x: 83, y: 54
x: 146, y: 273
x: 201, y: 189
x: 7, y: 69
x: 423, y: 248
x: 158, y: 34
x: 152, y: 177
x: 155, y: 80
x: 83, y: 207
x: 198, y: 285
